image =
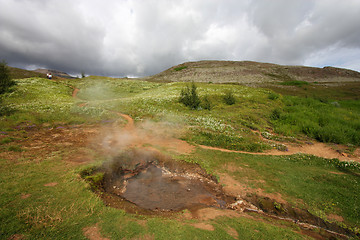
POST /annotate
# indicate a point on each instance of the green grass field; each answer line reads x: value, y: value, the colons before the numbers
x: 33, y: 208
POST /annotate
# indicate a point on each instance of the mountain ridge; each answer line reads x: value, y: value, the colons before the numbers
x: 249, y: 72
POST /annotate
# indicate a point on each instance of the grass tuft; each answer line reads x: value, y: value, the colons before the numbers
x: 180, y: 68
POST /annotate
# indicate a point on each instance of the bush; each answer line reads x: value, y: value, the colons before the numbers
x: 206, y: 104
x: 229, y: 98
x: 180, y: 68
x: 5, y: 81
x: 273, y: 96
x: 189, y: 97
x: 276, y: 114
x: 294, y: 83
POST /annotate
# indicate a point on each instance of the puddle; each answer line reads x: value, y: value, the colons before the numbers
x: 156, y: 188
x: 147, y: 181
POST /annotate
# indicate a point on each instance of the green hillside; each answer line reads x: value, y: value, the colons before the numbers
x: 53, y: 141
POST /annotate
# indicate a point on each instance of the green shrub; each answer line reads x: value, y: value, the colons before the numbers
x: 180, y: 68
x: 294, y: 83
x: 189, y: 96
x: 229, y: 98
x: 15, y: 148
x: 6, y: 140
x: 273, y: 96
x: 5, y: 110
x: 276, y: 113
x: 206, y: 104
x: 5, y: 81
x: 95, y: 181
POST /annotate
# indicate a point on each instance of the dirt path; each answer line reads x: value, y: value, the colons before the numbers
x: 75, y: 92
x: 130, y: 122
x: 316, y: 149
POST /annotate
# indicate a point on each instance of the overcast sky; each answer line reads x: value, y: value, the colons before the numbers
x: 145, y: 37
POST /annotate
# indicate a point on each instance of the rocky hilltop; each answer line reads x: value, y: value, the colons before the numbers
x: 247, y: 72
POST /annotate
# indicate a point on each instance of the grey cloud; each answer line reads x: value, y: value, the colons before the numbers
x: 307, y: 27
x: 48, y: 35
x: 136, y: 37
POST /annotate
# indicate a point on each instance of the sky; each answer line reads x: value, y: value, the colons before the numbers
x: 137, y: 38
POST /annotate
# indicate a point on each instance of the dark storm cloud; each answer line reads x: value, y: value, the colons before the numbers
x: 297, y: 30
x: 143, y: 37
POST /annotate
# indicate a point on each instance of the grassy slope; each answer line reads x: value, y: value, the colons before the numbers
x: 39, y: 100
x: 18, y: 73
x: 52, y: 212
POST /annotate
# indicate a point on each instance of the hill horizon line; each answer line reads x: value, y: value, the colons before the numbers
x: 248, y: 68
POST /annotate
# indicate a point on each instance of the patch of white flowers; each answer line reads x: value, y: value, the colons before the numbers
x: 211, y: 123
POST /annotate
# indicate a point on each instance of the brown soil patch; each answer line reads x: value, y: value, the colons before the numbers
x: 82, y: 104
x: 235, y: 188
x: 275, y: 196
x: 25, y: 196
x: 203, y: 226
x: 42, y: 142
x: 232, y: 232
x: 17, y: 237
x: 335, y: 217
x: 337, y: 173
x: 52, y: 184
x: 312, y: 234
x: 80, y: 158
x: 142, y: 223
x: 75, y: 92
x: 231, y: 167
x: 93, y: 233
x: 211, y: 213
x: 130, y: 121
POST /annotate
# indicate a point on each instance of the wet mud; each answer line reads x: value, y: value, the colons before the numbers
x: 145, y: 181
x: 156, y: 188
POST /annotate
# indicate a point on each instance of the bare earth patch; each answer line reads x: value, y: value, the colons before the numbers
x: 40, y: 143
x: 211, y: 213
x: 25, y: 196
x: 17, y: 237
x: 93, y: 233
x: 235, y: 188
x: 335, y: 217
x: 203, y: 226
x: 52, y: 184
x: 232, y: 232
